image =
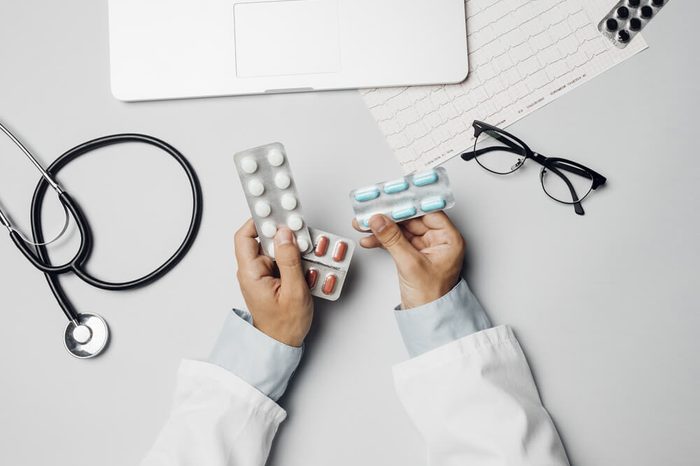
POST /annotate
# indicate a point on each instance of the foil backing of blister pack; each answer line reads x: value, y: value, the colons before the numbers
x: 404, y: 198
x: 628, y: 18
x: 326, y: 265
x: 268, y: 184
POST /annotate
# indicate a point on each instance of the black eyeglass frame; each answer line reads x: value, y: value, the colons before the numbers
x: 555, y: 164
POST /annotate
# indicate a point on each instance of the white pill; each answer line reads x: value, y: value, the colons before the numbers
x: 295, y: 222
x: 262, y: 208
x: 271, y: 250
x: 302, y: 243
x: 282, y: 180
x: 255, y: 187
x: 268, y: 229
x: 249, y: 165
x: 275, y: 157
x: 288, y: 201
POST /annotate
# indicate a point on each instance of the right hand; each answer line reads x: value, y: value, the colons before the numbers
x: 428, y: 252
x: 281, y: 307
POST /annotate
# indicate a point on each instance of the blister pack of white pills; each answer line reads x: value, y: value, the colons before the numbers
x: 269, y: 188
x: 326, y: 266
x: 628, y: 18
x: 402, y: 199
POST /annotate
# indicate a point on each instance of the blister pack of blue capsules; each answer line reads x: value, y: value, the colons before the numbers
x: 627, y: 19
x: 405, y: 198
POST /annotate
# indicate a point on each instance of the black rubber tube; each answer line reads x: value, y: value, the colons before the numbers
x: 78, y: 263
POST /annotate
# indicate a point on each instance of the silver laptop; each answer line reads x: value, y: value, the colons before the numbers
x: 164, y: 49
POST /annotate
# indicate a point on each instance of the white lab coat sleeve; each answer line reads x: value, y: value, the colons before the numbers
x: 475, y: 403
x: 217, y: 419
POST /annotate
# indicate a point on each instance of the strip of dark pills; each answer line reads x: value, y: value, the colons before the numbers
x: 627, y: 19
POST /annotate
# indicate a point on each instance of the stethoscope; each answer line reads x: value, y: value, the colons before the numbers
x: 87, y: 335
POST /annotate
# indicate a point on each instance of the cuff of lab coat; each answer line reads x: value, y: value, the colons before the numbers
x: 260, y: 360
x: 442, y: 321
x: 468, y: 346
x: 195, y: 371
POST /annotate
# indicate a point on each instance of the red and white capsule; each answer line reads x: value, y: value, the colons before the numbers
x: 322, y: 246
x: 329, y: 284
x: 340, y: 250
x: 311, y: 278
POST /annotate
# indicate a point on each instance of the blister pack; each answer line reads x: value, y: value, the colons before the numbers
x: 326, y: 265
x: 269, y: 188
x: 404, y: 198
x: 628, y: 18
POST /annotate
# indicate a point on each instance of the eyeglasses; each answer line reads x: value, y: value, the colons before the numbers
x: 563, y: 180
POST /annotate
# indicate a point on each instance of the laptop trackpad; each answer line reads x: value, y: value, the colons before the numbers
x: 286, y: 37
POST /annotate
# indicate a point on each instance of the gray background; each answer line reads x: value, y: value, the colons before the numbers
x: 606, y: 305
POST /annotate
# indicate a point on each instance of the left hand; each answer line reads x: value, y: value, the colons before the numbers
x: 282, y: 308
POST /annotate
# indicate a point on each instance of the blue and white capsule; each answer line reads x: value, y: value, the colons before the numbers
x: 432, y: 204
x: 425, y: 178
x: 403, y: 213
x: 396, y: 186
x: 366, y: 194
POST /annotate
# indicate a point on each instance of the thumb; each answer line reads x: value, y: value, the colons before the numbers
x: 288, y: 260
x: 393, y: 240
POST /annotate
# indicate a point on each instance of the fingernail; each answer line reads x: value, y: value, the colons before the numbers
x: 378, y: 223
x: 284, y: 236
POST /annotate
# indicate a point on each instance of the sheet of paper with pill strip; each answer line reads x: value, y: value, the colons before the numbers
x: 404, y: 198
x: 523, y: 54
x: 628, y: 18
x: 266, y: 178
x: 326, y: 265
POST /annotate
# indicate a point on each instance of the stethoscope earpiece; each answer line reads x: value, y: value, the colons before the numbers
x: 88, y: 337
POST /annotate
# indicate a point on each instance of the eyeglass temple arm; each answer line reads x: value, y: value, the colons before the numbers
x: 476, y: 153
x: 598, y: 179
x: 578, y: 208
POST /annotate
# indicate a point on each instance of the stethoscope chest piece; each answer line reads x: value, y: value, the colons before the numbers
x: 88, y: 338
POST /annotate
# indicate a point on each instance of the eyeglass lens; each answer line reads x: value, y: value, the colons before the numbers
x: 498, y: 153
x: 569, y: 185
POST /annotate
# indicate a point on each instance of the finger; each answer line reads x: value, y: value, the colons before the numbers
x: 288, y: 260
x: 442, y: 228
x: 357, y: 226
x: 415, y: 226
x: 438, y: 220
x: 438, y: 237
x: 419, y: 243
x: 246, y: 246
x: 370, y: 242
x: 393, y: 240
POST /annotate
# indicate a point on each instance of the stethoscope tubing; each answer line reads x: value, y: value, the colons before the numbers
x: 40, y: 256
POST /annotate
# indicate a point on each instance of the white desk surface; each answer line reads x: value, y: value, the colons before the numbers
x: 606, y: 305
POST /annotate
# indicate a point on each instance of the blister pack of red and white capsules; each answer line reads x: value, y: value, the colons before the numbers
x: 326, y: 266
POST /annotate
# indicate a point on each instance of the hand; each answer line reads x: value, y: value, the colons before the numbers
x: 428, y: 253
x: 282, y: 308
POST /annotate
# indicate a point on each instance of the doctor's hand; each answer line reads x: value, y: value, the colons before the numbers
x: 428, y: 253
x: 282, y: 308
